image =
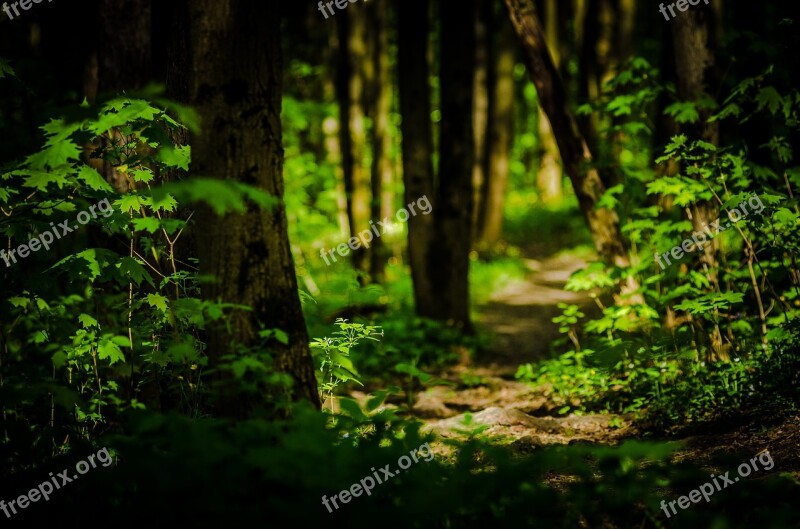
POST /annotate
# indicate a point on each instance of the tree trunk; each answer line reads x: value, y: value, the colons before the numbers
x: 548, y: 177
x: 501, y: 130
x: 449, y: 264
x: 413, y: 22
x: 380, y: 106
x: 123, y: 58
x: 352, y: 132
x: 693, y: 37
x: 480, y: 110
x: 575, y: 155
x: 232, y: 76
x: 626, y: 22
x: 588, y: 70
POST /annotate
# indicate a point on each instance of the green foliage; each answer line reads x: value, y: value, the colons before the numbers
x: 694, y: 341
x: 332, y: 355
x: 90, y: 332
x: 244, y: 472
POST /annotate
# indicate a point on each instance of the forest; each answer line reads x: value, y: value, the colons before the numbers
x: 400, y: 263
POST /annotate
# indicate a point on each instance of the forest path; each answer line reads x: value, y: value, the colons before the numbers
x: 484, y: 393
x: 519, y: 318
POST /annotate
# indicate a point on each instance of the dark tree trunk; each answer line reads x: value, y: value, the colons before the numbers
x: 380, y: 107
x: 449, y: 258
x: 413, y: 20
x: 694, y: 42
x: 125, y: 53
x: 231, y: 74
x: 693, y: 39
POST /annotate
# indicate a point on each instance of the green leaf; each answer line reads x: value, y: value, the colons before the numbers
x: 351, y: 408
x: 128, y: 202
x: 108, y: 350
x: 122, y: 341
x: 769, y: 97
x: 282, y: 337
x: 181, y: 352
x: 148, y: 224
x: 262, y: 198
x: 5, y: 69
x: 622, y: 105
x: 143, y: 175
x: 131, y: 270
x: 122, y: 111
x: 609, y: 200
x: 88, y: 264
x: 19, y: 302
x: 41, y: 179
x: 93, y: 179
x: 683, y: 111
x: 166, y: 202
x: 179, y: 156
x: 87, y: 321
x: 53, y: 156
x: 158, y: 301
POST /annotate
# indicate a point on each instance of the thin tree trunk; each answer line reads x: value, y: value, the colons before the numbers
x: 380, y: 106
x: 589, y: 71
x: 501, y: 130
x: 548, y: 177
x: 331, y: 132
x: 626, y: 21
x: 236, y: 43
x: 480, y: 110
x: 413, y: 22
x: 352, y: 132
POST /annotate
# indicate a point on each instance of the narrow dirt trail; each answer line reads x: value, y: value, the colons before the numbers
x: 485, y: 391
x: 519, y: 318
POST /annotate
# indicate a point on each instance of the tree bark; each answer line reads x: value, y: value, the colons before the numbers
x: 693, y: 38
x: 352, y: 133
x: 480, y: 110
x: 575, y: 154
x: 694, y: 43
x: 449, y: 264
x: 413, y: 22
x: 548, y: 176
x: 501, y: 130
x: 232, y: 76
x: 380, y: 107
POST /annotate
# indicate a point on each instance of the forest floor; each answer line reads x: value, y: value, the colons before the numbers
x: 519, y: 317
